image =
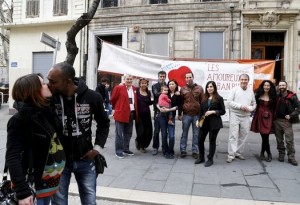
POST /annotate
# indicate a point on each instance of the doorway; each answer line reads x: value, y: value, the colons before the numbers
x: 269, y: 46
x: 113, y: 79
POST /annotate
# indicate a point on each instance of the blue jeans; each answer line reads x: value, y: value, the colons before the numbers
x: 123, y: 135
x: 43, y: 201
x: 166, y: 128
x: 155, y: 142
x: 109, y: 108
x: 187, y: 120
x: 85, y: 175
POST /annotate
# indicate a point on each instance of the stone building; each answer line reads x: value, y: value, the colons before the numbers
x: 207, y: 29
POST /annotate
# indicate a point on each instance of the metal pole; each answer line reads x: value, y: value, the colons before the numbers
x: 55, y: 51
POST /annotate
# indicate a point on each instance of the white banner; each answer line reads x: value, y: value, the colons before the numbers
x: 115, y: 59
x: 226, y: 75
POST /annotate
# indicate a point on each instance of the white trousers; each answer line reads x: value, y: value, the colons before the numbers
x: 238, y: 133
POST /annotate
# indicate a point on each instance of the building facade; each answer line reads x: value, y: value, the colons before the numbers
x: 31, y: 18
x: 207, y: 29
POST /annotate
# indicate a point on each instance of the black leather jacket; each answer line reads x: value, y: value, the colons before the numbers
x: 30, y: 128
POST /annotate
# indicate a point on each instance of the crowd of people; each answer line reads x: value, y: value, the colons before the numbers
x: 51, y: 137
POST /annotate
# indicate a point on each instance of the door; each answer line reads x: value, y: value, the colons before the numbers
x: 42, y: 62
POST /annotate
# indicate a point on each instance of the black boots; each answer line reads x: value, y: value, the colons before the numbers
x: 208, y: 163
x: 200, y: 159
x: 269, y: 158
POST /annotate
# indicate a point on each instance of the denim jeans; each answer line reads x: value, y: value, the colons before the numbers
x: 165, y: 127
x: 187, y: 120
x: 43, y: 201
x: 155, y: 141
x: 85, y: 175
x: 123, y: 135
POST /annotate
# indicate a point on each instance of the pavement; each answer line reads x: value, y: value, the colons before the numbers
x: 147, y: 179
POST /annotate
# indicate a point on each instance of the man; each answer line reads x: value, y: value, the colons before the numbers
x: 124, y: 102
x: 192, y: 96
x: 156, y: 90
x: 103, y: 90
x: 286, y: 112
x: 241, y: 103
x: 76, y: 106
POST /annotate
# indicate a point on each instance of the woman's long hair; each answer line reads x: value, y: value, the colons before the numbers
x: 272, y: 92
x: 215, y: 94
x: 27, y: 89
x: 144, y: 79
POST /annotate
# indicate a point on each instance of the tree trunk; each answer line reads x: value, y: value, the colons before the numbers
x: 81, y: 22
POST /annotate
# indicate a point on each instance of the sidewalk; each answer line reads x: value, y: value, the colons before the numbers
x: 147, y: 179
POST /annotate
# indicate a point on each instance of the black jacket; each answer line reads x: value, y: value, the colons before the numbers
x: 89, y: 106
x: 156, y: 90
x: 292, y: 104
x: 30, y: 128
x: 213, y: 121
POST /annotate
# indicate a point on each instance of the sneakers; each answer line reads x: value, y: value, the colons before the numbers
x: 229, y: 160
x: 281, y: 158
x: 183, y: 154
x: 120, y: 156
x: 241, y: 157
x: 128, y: 152
x: 154, y: 151
x: 293, y: 162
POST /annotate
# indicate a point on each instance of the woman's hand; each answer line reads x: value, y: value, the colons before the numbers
x: 164, y: 109
x: 209, y: 112
x: 26, y: 201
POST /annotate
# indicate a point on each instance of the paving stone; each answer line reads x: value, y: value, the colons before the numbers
x: 179, y: 183
x: 206, y: 190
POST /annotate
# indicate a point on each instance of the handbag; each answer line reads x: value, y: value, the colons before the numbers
x: 100, y: 163
x: 7, y: 193
x: 201, y: 121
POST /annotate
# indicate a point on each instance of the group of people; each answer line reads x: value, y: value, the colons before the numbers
x: 274, y: 112
x: 51, y: 137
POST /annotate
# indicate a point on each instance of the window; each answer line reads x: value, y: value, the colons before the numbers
x: 32, y: 8
x: 211, y: 45
x: 60, y: 7
x: 158, y: 1
x: 109, y: 3
x: 157, y: 43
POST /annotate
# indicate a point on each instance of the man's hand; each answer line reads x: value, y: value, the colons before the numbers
x: 245, y: 108
x: 90, y: 154
x: 288, y: 117
x: 180, y: 117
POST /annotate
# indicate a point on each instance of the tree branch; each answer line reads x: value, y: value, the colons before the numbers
x: 81, y: 22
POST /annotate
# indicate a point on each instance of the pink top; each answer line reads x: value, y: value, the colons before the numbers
x: 164, y: 100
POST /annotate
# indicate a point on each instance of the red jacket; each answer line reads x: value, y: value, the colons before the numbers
x: 120, y: 103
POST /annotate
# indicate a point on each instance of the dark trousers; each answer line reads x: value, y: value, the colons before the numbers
x: 212, y: 142
x: 155, y: 141
x: 283, y: 129
x: 144, y: 130
x: 265, y: 146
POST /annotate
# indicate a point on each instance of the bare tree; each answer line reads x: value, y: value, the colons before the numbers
x: 81, y: 22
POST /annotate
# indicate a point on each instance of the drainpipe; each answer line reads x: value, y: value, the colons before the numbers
x: 231, y: 6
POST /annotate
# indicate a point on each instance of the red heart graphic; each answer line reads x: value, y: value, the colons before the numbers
x: 179, y: 75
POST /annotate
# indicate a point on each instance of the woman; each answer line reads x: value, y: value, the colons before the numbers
x: 168, y: 129
x: 144, y: 125
x: 262, y: 121
x: 33, y: 133
x: 212, y: 108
